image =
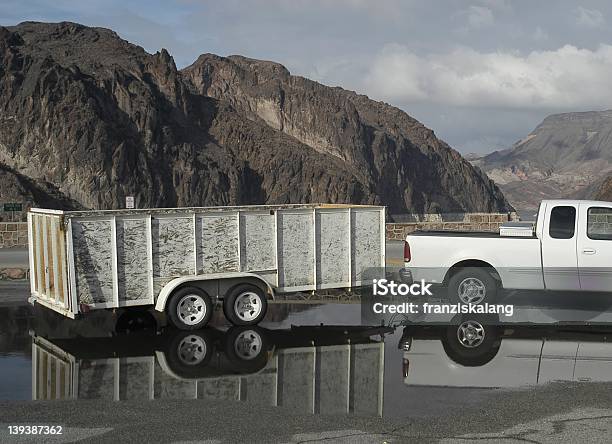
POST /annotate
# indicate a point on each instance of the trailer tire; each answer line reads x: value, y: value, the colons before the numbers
x: 189, y: 353
x: 247, y: 348
x: 189, y: 308
x: 245, y: 304
x: 472, y: 285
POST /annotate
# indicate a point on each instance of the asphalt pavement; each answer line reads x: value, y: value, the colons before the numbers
x: 550, y: 414
x: 14, y: 258
x: 395, y: 253
x: 14, y: 292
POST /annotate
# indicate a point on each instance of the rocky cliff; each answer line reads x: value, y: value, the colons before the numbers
x: 96, y: 119
x: 567, y: 155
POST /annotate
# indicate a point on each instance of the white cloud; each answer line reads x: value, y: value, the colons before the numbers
x: 591, y: 18
x: 479, y: 16
x: 565, y: 78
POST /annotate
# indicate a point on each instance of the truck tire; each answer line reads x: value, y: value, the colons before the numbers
x: 189, y: 308
x: 472, y: 342
x: 472, y: 285
x: 245, y: 304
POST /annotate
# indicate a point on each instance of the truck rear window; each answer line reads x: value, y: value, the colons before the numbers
x: 562, y: 222
x: 599, y: 223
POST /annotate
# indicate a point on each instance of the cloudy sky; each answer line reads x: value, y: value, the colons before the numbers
x: 482, y: 74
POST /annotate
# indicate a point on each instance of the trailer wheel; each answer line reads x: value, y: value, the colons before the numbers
x: 472, y: 285
x: 245, y: 304
x: 247, y: 348
x: 189, y: 353
x: 189, y: 308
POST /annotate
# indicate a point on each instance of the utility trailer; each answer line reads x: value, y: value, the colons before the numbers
x: 182, y: 260
x: 343, y: 374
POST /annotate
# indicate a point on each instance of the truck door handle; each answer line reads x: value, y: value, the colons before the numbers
x: 589, y: 251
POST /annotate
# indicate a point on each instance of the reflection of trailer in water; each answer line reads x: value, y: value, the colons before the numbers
x: 182, y: 260
x: 265, y: 367
x: 529, y: 356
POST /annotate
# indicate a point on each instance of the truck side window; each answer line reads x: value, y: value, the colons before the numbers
x: 562, y: 222
x: 599, y: 223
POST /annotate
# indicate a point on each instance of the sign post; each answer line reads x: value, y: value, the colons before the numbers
x: 12, y: 207
x: 129, y: 202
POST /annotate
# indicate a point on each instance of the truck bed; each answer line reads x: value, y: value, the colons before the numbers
x: 518, y: 263
x: 485, y: 234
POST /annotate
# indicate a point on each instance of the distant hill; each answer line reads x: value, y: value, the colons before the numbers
x: 89, y: 118
x: 600, y: 190
x: 562, y: 157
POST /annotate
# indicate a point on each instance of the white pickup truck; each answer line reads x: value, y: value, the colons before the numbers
x: 568, y: 249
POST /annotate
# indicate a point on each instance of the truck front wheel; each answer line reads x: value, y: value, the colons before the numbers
x: 245, y: 304
x: 472, y: 285
x: 189, y: 308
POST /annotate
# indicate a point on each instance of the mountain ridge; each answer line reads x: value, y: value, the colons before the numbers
x: 100, y: 118
x: 565, y: 155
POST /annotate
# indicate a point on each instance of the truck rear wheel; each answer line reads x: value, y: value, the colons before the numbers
x: 245, y: 304
x: 189, y: 308
x: 472, y: 343
x: 472, y: 285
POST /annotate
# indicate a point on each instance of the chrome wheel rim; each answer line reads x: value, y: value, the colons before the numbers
x: 192, y: 350
x: 247, y: 306
x: 248, y: 345
x: 470, y: 334
x: 471, y: 290
x: 191, y: 309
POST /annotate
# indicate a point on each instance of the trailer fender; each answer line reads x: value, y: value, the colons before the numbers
x: 165, y: 293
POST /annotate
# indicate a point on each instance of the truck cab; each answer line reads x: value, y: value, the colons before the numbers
x: 568, y: 249
x: 575, y: 243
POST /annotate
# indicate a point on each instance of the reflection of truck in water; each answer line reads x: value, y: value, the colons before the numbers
x: 522, y: 356
x: 182, y: 260
x: 568, y: 249
x: 330, y: 370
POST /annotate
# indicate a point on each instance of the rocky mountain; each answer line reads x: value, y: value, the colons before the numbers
x: 567, y: 155
x: 15, y: 187
x: 604, y: 191
x: 94, y: 119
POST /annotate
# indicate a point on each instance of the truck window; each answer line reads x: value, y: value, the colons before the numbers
x: 599, y: 223
x: 562, y: 222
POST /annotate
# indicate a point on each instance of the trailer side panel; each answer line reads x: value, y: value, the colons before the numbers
x: 296, y: 250
x: 93, y: 261
x: 217, y: 243
x: 333, y: 248
x: 367, y: 248
x: 133, y: 271
x: 173, y: 249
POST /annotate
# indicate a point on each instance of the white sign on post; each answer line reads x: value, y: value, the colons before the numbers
x: 129, y: 202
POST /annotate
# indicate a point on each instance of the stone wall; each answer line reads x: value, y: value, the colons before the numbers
x: 13, y: 234
x: 435, y: 222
